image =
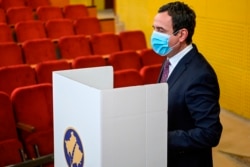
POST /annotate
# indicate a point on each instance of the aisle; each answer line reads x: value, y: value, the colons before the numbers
x: 234, y: 147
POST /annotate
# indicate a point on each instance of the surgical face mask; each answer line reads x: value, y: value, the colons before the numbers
x: 159, y: 42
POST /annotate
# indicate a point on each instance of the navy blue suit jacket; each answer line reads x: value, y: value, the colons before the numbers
x: 193, y: 112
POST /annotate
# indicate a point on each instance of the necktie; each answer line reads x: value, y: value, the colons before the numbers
x: 165, y: 71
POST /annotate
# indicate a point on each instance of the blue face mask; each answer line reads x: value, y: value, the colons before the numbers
x: 159, y: 42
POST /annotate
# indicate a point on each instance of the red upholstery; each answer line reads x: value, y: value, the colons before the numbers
x: 10, y: 54
x: 36, y: 3
x: 125, y: 60
x: 2, y: 16
x: 150, y: 73
x: 45, y: 13
x: 127, y: 77
x: 15, y: 76
x: 32, y: 106
x: 27, y: 30
x: 105, y: 43
x: 9, y: 143
x: 88, y: 61
x: 74, y: 46
x: 87, y: 26
x: 44, y: 69
x: 133, y: 40
x: 39, y: 50
x: 17, y: 14
x: 75, y: 11
x: 5, y: 4
x: 57, y: 28
x: 6, y: 34
x: 149, y: 57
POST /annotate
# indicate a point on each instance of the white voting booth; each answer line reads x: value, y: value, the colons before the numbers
x: 96, y: 125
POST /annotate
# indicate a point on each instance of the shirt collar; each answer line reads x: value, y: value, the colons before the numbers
x: 176, y: 58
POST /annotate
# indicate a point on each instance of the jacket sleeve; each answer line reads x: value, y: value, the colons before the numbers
x: 202, y: 101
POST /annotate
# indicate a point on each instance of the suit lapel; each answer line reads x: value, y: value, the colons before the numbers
x: 181, y: 67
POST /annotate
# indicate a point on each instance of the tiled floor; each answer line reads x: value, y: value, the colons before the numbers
x: 234, y: 147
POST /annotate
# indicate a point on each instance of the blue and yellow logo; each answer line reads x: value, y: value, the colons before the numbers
x: 73, y: 148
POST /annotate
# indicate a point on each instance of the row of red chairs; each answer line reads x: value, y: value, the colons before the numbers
x: 6, y: 4
x: 53, y: 29
x: 14, y: 15
x: 69, y: 47
x: 23, y: 74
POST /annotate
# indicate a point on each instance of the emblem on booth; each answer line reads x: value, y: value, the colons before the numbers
x: 73, y: 148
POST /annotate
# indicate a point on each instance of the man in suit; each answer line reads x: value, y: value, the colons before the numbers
x: 193, y: 104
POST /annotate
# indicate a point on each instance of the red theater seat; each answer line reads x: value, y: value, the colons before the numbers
x: 10, y: 54
x: 88, y: 61
x: 6, y: 4
x: 33, y: 110
x: 36, y: 3
x: 127, y: 77
x: 6, y: 34
x: 46, y: 13
x: 74, y: 46
x: 105, y: 43
x: 149, y: 57
x: 45, y: 69
x: 125, y: 60
x: 87, y: 26
x: 75, y: 11
x: 38, y: 50
x: 57, y: 28
x: 10, y: 145
x: 133, y: 40
x: 27, y: 30
x: 15, y: 76
x: 17, y: 14
x: 150, y: 73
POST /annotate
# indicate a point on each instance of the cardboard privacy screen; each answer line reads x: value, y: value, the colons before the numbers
x: 96, y: 125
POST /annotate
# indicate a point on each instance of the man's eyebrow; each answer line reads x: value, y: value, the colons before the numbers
x: 159, y: 28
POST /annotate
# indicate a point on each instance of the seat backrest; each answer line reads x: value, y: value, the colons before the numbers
x: 38, y: 50
x: 9, y: 143
x: 125, y: 60
x: 10, y: 54
x: 32, y: 105
x: 15, y: 76
x: 6, y: 4
x: 150, y: 73
x: 105, y: 43
x: 17, y: 14
x: 87, y: 26
x: 57, y: 28
x: 88, y: 61
x: 6, y: 34
x: 46, y: 13
x: 74, y: 46
x: 75, y: 11
x: 2, y: 16
x: 127, y: 77
x: 132, y: 40
x: 149, y: 57
x: 34, y: 4
x: 44, y: 69
x: 27, y: 30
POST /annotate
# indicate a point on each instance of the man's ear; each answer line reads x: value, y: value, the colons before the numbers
x: 183, y: 34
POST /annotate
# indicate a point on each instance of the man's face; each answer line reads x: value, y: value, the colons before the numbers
x: 163, y: 24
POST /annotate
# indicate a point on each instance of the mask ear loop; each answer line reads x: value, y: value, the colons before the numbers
x: 176, y: 32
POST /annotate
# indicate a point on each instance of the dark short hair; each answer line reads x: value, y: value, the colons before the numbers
x: 182, y: 17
